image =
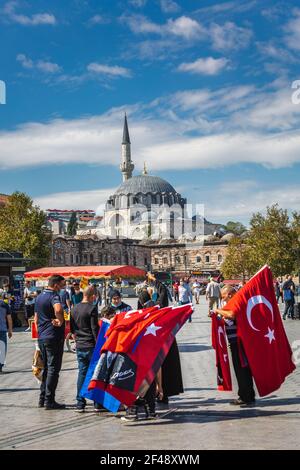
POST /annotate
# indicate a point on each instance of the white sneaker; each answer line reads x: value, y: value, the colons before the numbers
x: 28, y: 329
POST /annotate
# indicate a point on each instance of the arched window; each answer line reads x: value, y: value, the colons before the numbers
x: 165, y: 260
x: 156, y: 261
x: 207, y: 258
x: 177, y: 259
x: 198, y: 259
x: 220, y: 258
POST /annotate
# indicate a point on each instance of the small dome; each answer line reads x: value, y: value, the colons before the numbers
x: 186, y: 237
x: 227, y: 237
x: 210, y: 238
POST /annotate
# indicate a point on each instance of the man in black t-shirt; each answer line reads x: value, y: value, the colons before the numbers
x: 85, y: 328
x: 49, y: 318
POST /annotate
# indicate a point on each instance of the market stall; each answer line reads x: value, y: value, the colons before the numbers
x: 89, y: 272
x: 85, y: 274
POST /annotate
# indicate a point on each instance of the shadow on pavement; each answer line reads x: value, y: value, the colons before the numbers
x: 208, y: 416
x: 10, y: 390
x: 193, y: 347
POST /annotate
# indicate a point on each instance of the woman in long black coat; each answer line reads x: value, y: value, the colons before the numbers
x: 171, y: 368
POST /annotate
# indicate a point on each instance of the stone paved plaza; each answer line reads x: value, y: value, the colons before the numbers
x: 200, y: 419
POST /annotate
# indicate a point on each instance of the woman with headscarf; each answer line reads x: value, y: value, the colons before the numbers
x: 171, y: 368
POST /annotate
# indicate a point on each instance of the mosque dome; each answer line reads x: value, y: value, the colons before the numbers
x: 145, y: 184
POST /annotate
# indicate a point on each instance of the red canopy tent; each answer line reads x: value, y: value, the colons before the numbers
x: 90, y: 272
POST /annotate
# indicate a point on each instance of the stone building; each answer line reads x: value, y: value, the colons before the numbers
x: 74, y: 251
x: 191, y: 258
x: 166, y: 255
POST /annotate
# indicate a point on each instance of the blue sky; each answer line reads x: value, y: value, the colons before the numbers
x: 207, y: 87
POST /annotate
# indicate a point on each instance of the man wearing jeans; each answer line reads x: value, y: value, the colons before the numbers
x: 85, y: 328
x: 213, y: 295
x: 49, y: 318
x: 185, y: 294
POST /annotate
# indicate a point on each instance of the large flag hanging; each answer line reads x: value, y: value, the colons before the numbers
x: 219, y: 344
x: 132, y: 355
x: 96, y: 394
x: 260, y: 328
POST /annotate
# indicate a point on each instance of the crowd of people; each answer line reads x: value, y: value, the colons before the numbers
x: 84, y: 308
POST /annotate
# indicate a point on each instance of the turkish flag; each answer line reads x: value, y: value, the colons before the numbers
x: 218, y: 334
x: 132, y: 355
x: 260, y: 329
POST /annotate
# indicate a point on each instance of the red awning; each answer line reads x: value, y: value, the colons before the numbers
x: 91, y: 272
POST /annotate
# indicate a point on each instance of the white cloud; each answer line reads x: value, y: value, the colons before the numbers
x: 94, y: 200
x: 47, y: 67
x: 292, y: 30
x: 229, y: 36
x: 97, y: 141
x: 115, y: 70
x: 138, y: 3
x: 187, y: 130
x: 278, y: 53
x: 25, y: 61
x: 97, y: 19
x: 42, y: 65
x: 206, y: 66
x: 169, y: 6
x: 33, y: 20
x: 245, y: 199
x: 183, y: 27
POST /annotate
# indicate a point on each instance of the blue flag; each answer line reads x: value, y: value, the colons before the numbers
x: 99, y: 396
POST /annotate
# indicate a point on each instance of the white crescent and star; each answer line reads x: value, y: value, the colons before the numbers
x: 257, y: 300
x: 152, y: 329
x: 270, y: 335
x: 221, y: 332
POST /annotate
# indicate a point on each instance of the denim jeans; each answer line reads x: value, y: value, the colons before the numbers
x: 52, y: 353
x: 185, y: 303
x: 84, y: 357
x: 3, y: 347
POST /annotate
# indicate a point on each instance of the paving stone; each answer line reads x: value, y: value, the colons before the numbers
x: 201, y: 418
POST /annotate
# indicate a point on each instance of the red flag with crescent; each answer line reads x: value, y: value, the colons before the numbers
x: 218, y: 334
x: 260, y: 328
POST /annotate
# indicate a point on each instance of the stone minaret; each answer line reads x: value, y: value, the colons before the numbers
x: 126, y: 166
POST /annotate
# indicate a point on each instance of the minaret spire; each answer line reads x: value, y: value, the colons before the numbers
x: 145, y: 171
x: 126, y: 166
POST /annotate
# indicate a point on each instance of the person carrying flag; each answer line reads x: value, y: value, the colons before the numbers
x: 246, y: 393
x: 172, y: 383
x: 85, y: 328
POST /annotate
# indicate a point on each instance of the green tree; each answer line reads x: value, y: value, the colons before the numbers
x: 271, y: 240
x: 72, y: 225
x: 23, y: 228
x: 238, y: 260
x: 235, y: 227
x: 296, y: 232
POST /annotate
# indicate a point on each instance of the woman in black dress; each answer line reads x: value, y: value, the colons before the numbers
x: 171, y: 368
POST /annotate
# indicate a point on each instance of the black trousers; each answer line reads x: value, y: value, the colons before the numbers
x: 289, y: 308
x: 52, y: 353
x: 150, y: 397
x: 243, y: 376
